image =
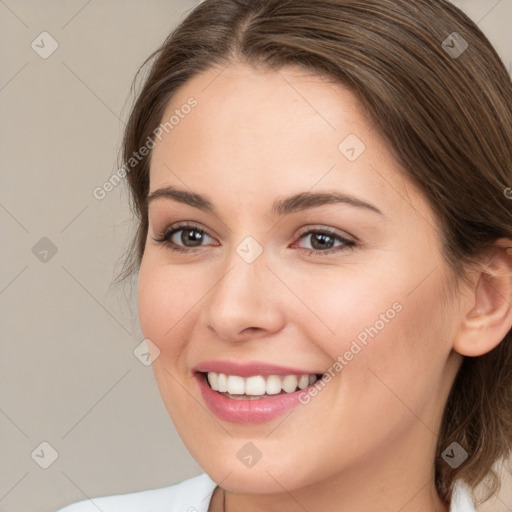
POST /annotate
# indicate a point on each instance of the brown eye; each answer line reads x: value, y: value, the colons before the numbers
x: 323, y: 242
x: 183, y: 237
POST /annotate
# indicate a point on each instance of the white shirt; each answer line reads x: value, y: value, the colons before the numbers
x: 194, y: 495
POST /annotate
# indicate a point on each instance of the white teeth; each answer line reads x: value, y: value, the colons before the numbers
x: 236, y: 385
x: 255, y: 385
x: 222, y: 383
x: 290, y: 383
x: 213, y: 379
x: 258, y: 385
x: 303, y: 381
x: 273, y: 385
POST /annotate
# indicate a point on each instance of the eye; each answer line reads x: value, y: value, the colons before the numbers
x: 323, y: 242
x: 182, y: 237
x: 186, y: 237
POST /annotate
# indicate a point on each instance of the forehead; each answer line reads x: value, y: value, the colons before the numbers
x: 263, y: 133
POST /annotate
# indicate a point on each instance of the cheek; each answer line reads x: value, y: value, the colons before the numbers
x: 155, y: 304
x: 166, y: 301
x: 349, y: 306
x: 390, y: 344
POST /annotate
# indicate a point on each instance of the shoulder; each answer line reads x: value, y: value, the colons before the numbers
x: 462, y: 498
x: 192, y: 495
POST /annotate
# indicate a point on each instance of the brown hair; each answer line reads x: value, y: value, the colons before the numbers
x: 448, y: 118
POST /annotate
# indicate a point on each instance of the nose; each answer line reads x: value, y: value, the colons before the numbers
x: 244, y: 303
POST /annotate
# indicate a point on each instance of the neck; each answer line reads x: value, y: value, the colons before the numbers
x: 426, y: 500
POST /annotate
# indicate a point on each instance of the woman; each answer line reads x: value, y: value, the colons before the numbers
x: 324, y: 255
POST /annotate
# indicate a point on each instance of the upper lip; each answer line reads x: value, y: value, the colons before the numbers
x: 249, y: 369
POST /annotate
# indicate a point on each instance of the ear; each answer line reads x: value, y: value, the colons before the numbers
x: 488, y: 318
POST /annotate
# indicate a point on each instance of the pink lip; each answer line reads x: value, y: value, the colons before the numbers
x: 250, y: 369
x: 246, y: 411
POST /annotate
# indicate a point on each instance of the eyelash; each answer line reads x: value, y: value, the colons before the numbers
x: 165, y: 239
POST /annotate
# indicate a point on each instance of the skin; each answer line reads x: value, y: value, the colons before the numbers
x: 367, y: 441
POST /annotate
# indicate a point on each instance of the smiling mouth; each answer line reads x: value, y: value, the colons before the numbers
x: 258, y: 387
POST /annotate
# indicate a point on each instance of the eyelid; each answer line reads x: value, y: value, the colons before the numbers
x: 327, y: 229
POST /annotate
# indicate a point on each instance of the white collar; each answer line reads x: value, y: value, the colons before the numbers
x: 462, y: 500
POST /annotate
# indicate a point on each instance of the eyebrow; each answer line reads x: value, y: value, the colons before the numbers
x: 281, y: 207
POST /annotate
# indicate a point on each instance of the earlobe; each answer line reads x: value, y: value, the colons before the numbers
x: 489, y: 318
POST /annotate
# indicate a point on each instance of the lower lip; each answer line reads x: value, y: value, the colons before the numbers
x: 247, y: 411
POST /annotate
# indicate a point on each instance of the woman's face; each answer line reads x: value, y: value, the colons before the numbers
x: 351, y: 287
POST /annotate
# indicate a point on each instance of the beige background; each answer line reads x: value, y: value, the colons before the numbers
x: 68, y: 373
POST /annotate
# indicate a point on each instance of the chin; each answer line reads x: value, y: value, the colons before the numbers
x: 251, y: 482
